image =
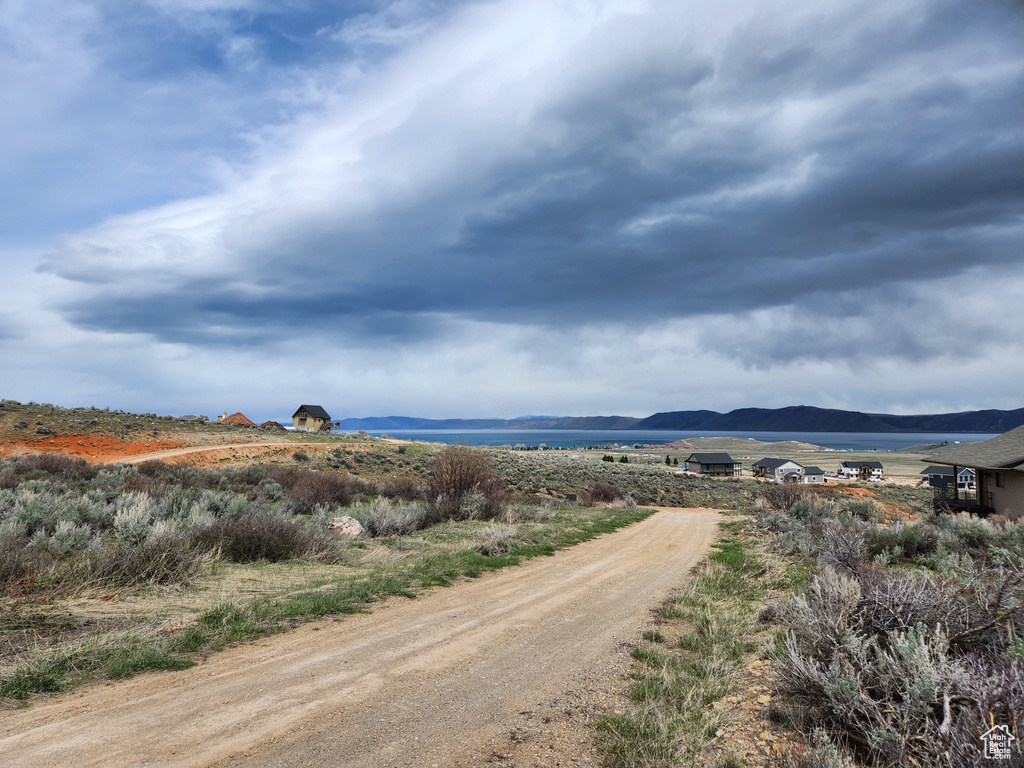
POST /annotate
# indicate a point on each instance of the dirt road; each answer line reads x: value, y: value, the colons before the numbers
x: 225, y: 447
x: 418, y: 682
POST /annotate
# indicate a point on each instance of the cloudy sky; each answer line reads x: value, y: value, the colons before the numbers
x: 442, y: 208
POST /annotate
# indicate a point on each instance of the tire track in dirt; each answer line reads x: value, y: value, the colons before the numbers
x: 417, y: 682
x: 178, y: 452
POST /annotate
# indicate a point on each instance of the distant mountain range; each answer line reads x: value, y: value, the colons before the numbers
x: 798, y: 418
x: 554, y: 422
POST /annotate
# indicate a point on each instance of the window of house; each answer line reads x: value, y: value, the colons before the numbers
x: 999, y: 480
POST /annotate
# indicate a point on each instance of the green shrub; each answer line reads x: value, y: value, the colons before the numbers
x: 867, y: 510
x: 909, y: 541
x: 966, y: 532
x: 810, y: 509
x: 133, y: 519
x: 882, y: 657
x: 497, y: 539
x: 383, y: 517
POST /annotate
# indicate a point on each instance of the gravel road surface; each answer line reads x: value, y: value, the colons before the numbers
x: 432, y: 681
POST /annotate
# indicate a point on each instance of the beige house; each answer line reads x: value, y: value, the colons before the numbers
x: 998, y: 466
x: 311, y: 418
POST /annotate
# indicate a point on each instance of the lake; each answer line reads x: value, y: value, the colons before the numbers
x: 576, y: 438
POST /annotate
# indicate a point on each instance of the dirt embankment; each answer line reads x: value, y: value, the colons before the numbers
x: 231, y: 449
x: 862, y: 493
x: 96, y: 448
x: 512, y: 664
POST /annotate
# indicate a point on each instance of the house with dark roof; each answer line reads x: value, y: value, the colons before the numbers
x: 311, y: 418
x: 779, y: 470
x: 812, y: 476
x: 714, y: 464
x: 998, y: 466
x: 939, y: 476
x: 861, y: 470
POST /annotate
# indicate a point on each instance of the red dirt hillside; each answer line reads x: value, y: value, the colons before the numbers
x: 99, y: 448
x: 238, y: 420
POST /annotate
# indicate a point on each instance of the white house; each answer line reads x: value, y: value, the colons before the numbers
x: 861, y: 470
x: 779, y: 470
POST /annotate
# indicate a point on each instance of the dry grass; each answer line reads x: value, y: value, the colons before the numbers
x: 691, y: 660
x: 49, y: 646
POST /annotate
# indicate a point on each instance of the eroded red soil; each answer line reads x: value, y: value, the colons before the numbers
x: 97, y: 448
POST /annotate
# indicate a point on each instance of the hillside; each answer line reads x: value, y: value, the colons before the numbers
x: 797, y: 418
x: 804, y: 418
x: 563, y: 422
x: 966, y: 421
x: 43, y: 422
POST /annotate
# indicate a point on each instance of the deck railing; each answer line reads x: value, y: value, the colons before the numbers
x: 958, y: 500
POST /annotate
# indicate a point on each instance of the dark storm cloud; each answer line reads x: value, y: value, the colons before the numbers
x: 230, y: 320
x: 821, y: 163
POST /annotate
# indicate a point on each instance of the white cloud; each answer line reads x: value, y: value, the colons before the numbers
x: 572, y: 207
x: 44, y: 60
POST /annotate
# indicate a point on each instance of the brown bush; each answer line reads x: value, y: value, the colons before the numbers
x: 284, y: 475
x: 326, y: 489
x: 601, y: 493
x: 781, y: 496
x: 57, y: 464
x: 169, y: 559
x: 8, y: 480
x: 152, y: 468
x: 458, y: 472
x: 264, y: 536
x: 406, y: 488
x: 17, y: 566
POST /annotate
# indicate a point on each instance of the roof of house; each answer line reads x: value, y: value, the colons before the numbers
x: 316, y: 411
x: 774, y: 463
x: 1005, y: 451
x: 814, y: 471
x: 712, y: 458
x: 859, y: 464
x: 945, y: 471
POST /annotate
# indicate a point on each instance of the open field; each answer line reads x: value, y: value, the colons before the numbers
x: 250, y: 582
x: 109, y: 568
x: 902, y: 467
